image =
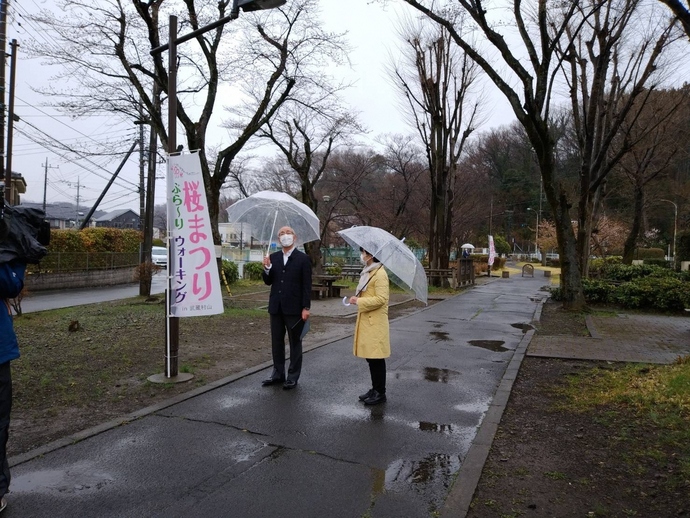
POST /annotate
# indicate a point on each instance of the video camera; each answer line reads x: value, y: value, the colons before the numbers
x: 24, y: 232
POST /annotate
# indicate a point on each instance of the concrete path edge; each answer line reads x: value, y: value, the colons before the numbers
x: 459, y: 499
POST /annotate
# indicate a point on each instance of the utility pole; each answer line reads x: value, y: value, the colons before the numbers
x: 10, y: 123
x: 78, y: 186
x: 6, y: 174
x: 142, y: 193
x: 45, y: 182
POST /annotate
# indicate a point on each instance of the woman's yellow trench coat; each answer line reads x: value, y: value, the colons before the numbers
x: 372, y: 335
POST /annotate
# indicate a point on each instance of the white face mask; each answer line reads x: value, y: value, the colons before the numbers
x: 287, y: 240
x: 363, y: 258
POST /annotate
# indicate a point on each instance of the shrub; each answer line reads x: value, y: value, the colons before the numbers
x: 334, y: 269
x: 649, y: 253
x: 231, y: 271
x: 597, y: 291
x: 253, y: 271
x: 666, y: 294
x: 662, y: 263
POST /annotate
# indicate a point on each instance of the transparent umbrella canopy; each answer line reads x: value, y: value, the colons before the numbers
x: 267, y: 211
x: 403, y: 267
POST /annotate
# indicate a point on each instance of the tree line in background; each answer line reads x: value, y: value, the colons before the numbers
x: 599, y: 149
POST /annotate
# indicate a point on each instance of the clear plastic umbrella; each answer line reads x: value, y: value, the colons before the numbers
x: 403, y: 267
x: 467, y: 246
x: 267, y: 211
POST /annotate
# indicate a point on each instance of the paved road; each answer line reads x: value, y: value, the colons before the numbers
x: 242, y: 450
x: 44, y: 300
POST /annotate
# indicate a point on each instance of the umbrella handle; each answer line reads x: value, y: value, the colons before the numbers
x: 273, y: 228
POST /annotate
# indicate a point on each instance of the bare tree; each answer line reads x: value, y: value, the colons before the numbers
x: 437, y: 82
x: 306, y: 132
x: 611, y: 75
x: 520, y: 55
x: 681, y: 11
x: 103, y: 48
x: 404, y: 201
x: 662, y: 134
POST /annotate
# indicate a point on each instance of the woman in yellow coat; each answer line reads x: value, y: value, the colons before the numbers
x: 372, y: 335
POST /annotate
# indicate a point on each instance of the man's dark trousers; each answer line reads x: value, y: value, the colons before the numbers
x: 292, y: 324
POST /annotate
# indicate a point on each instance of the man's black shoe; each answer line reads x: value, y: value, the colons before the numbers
x: 375, y: 398
x: 289, y: 384
x: 367, y: 395
x: 271, y: 381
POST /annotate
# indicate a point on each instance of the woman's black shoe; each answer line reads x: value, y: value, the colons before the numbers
x: 375, y: 398
x: 367, y: 395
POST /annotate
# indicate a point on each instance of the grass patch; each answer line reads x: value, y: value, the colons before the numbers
x: 644, y: 405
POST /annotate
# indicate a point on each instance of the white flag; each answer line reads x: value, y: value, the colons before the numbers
x: 195, y: 285
x: 492, y: 251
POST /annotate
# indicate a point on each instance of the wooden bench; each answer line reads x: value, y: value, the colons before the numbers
x: 335, y: 290
x: 318, y: 291
x: 444, y: 273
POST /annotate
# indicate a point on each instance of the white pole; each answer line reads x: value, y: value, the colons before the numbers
x: 273, y: 228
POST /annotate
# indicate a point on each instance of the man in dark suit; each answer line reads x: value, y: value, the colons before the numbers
x: 288, y: 272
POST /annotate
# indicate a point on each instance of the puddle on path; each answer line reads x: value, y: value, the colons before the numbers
x: 440, y: 336
x: 524, y: 326
x: 439, y: 375
x: 492, y: 345
x: 437, y: 468
x: 69, y: 481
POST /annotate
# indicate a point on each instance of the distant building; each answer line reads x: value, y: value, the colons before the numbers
x: 123, y: 218
x: 62, y: 215
x: 235, y: 234
x: 18, y: 187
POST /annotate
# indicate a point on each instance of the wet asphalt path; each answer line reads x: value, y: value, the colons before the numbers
x: 53, y: 299
x: 247, y: 451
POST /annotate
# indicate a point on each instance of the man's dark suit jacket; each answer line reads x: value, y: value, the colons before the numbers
x: 290, y: 283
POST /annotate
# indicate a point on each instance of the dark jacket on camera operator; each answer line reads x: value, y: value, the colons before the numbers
x: 11, y: 284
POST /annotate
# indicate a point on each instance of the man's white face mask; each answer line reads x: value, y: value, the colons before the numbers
x: 287, y: 240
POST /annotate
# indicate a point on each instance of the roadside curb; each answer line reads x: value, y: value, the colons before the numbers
x: 459, y: 499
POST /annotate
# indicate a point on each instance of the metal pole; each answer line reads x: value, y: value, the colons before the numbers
x: 675, y: 227
x: 173, y: 323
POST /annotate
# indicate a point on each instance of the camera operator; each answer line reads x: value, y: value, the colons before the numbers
x: 11, y: 284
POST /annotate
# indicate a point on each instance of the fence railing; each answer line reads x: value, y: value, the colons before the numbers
x: 59, y: 262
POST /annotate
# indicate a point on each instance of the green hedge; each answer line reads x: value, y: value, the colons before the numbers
x: 638, y: 287
x: 231, y: 271
x: 95, y: 240
x: 253, y: 271
x: 649, y: 253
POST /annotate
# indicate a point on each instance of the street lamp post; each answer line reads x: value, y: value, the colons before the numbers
x: 172, y: 323
x: 536, y: 237
x: 675, y: 226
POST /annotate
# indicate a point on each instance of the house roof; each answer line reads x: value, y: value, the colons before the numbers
x: 110, y: 216
x: 63, y: 211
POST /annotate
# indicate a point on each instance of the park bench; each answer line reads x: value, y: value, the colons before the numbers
x: 335, y: 289
x: 319, y: 291
x: 443, y: 273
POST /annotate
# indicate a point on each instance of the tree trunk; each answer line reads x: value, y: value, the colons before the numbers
x: 631, y: 240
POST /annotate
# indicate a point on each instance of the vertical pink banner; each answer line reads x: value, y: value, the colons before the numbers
x: 195, y: 284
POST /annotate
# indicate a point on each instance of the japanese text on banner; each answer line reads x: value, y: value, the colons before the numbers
x: 195, y: 285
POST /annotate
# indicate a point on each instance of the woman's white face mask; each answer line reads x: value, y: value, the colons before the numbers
x: 363, y: 258
x: 287, y: 240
